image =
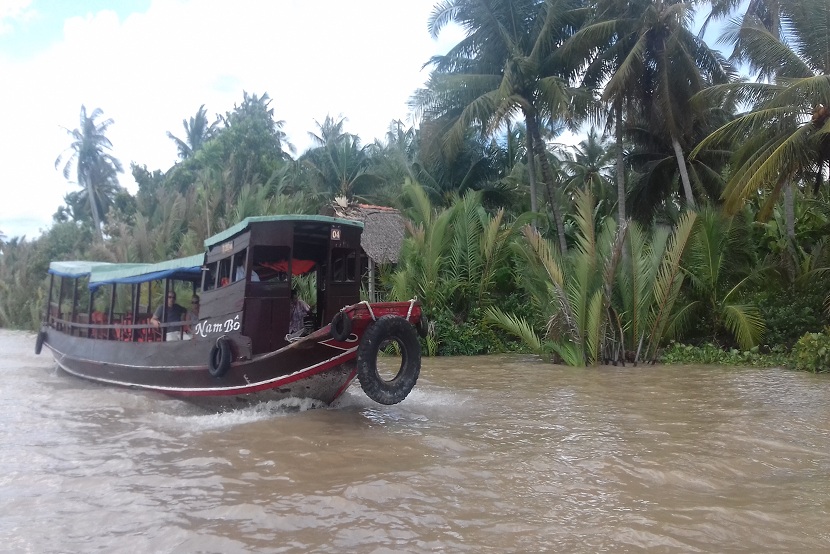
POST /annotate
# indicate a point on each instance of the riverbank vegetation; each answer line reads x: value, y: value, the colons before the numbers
x: 690, y: 223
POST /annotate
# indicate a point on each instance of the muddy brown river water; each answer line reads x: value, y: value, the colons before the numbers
x: 488, y: 454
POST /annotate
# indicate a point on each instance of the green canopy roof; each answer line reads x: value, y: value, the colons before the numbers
x: 75, y: 268
x: 242, y: 225
x: 188, y: 268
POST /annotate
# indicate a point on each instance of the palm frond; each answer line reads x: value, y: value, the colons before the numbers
x: 572, y: 353
x: 519, y: 327
x: 745, y: 323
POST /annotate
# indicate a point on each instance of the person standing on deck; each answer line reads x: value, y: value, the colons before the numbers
x: 299, y: 310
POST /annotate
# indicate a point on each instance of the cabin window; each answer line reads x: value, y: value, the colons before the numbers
x: 343, y: 265
x: 239, y: 266
x: 209, y: 272
x: 270, y: 263
x: 224, y: 273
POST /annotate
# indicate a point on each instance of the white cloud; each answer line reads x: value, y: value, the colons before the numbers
x: 360, y: 59
x: 13, y: 10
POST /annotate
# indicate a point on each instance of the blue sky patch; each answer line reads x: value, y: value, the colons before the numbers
x: 33, y: 28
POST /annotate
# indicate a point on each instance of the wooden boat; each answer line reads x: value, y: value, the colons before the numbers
x: 98, y: 320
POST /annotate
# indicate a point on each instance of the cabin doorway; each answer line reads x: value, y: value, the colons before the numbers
x: 267, y: 297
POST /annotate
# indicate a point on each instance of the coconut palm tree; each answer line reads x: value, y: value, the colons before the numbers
x: 742, y: 32
x: 759, y: 14
x: 588, y: 165
x: 786, y: 134
x: 340, y: 167
x: 329, y: 131
x: 394, y: 159
x: 653, y: 163
x: 447, y: 173
x: 604, y: 42
x: 646, y: 60
x: 337, y: 164
x: 506, y: 67
x: 95, y: 167
x: 197, y: 132
x: 78, y: 202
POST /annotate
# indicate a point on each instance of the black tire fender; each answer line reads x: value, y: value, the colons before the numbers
x: 341, y: 326
x: 423, y: 326
x: 389, y: 328
x: 41, y: 336
x: 220, y: 358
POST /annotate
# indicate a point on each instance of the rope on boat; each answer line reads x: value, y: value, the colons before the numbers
x: 372, y: 313
x: 369, y: 307
x: 411, y: 305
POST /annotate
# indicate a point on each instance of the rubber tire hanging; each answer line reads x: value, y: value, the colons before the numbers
x: 220, y: 358
x: 341, y: 326
x: 389, y: 328
x: 423, y: 326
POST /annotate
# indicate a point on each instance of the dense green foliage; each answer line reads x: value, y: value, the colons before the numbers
x: 708, y: 353
x: 812, y: 352
x: 788, y: 313
x: 678, y: 218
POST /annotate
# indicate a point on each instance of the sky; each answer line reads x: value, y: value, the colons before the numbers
x: 150, y: 64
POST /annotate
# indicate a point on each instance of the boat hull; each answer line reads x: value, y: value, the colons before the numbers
x: 317, y: 367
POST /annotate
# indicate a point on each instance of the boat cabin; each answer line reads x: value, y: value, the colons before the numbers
x: 250, y: 270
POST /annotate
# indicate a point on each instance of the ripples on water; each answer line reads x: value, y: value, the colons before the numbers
x: 495, y: 454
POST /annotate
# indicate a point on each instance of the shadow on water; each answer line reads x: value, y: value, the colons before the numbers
x: 488, y: 454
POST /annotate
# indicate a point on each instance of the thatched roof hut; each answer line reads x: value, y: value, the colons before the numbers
x: 383, y: 229
x: 383, y: 233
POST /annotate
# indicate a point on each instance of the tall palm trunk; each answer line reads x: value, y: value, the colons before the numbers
x: 95, y: 217
x: 620, y: 164
x: 789, y: 209
x: 684, y: 173
x: 547, y: 177
x: 93, y: 205
x: 531, y: 174
x: 820, y: 172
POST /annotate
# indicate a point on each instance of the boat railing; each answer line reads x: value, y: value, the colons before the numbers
x: 122, y: 328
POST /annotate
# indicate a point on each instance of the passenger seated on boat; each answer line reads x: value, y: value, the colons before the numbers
x: 174, y: 313
x: 192, y: 317
x: 98, y: 318
x: 299, y: 310
x: 240, y: 274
